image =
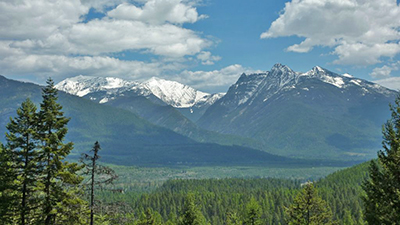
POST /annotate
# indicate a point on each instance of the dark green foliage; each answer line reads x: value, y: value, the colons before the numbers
x: 309, y: 208
x: 9, y: 198
x: 154, y: 146
x: 149, y: 218
x: 313, y: 120
x: 38, y: 185
x: 232, y: 218
x: 252, y: 213
x: 191, y: 214
x: 217, y: 198
x: 224, y: 200
x: 60, y: 178
x: 22, y: 141
x: 382, y: 199
x: 347, y: 219
x: 342, y: 190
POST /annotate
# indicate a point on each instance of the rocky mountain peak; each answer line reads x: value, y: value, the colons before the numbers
x: 171, y: 92
x: 282, y: 78
x: 281, y: 68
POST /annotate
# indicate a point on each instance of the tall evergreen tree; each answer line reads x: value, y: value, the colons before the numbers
x: 60, y: 177
x: 347, y: 219
x: 148, y: 218
x: 99, y: 175
x: 191, y: 214
x: 253, y: 213
x: 22, y: 142
x: 8, y: 195
x: 309, y: 209
x: 382, y: 199
x: 232, y: 219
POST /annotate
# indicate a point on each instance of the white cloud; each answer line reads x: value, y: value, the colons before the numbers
x: 384, y: 71
x: 216, y: 79
x: 360, y: 31
x: 60, y: 66
x: 50, y: 38
x: 207, y: 59
x: 391, y: 83
x: 157, y: 12
x: 21, y: 20
x: 166, y: 39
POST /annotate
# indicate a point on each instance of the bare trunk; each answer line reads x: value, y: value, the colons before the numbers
x: 92, y: 189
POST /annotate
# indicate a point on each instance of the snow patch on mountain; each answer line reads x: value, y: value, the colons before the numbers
x: 209, y: 99
x: 172, y: 93
x: 83, y: 85
x: 281, y: 78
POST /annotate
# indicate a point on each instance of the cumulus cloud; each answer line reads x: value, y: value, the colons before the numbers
x: 157, y: 12
x: 165, y: 39
x: 384, y: 71
x: 51, y: 37
x: 207, y: 59
x: 61, y: 66
x: 391, y: 83
x: 22, y: 20
x: 359, y: 31
x: 215, y: 79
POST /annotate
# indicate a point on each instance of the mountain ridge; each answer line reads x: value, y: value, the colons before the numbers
x: 170, y: 92
x: 307, y: 114
x: 126, y: 138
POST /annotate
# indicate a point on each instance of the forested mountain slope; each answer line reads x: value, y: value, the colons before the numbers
x: 125, y: 137
x: 318, y: 114
x: 218, y: 197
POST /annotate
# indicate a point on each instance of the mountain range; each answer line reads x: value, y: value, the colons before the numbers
x: 127, y: 138
x: 264, y: 118
x: 317, y: 114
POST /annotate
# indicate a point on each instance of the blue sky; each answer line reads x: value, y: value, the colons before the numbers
x: 203, y: 43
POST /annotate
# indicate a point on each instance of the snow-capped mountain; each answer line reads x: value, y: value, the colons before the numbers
x: 294, y: 112
x: 83, y: 85
x: 173, y: 93
x: 104, y: 89
x: 282, y: 78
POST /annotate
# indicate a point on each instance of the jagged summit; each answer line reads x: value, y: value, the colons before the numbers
x: 108, y: 88
x: 281, y: 68
x: 83, y: 85
x: 283, y: 77
x: 313, y: 113
x: 174, y: 93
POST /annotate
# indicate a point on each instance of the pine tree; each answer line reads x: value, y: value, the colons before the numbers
x: 347, y: 218
x: 309, y: 209
x: 382, y: 199
x: 60, y: 177
x: 22, y: 142
x: 99, y: 175
x: 253, y: 213
x: 8, y: 195
x: 191, y: 214
x: 232, y: 219
x: 147, y: 218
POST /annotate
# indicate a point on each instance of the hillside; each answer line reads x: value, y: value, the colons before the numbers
x: 127, y: 138
x: 217, y: 197
x: 316, y: 114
